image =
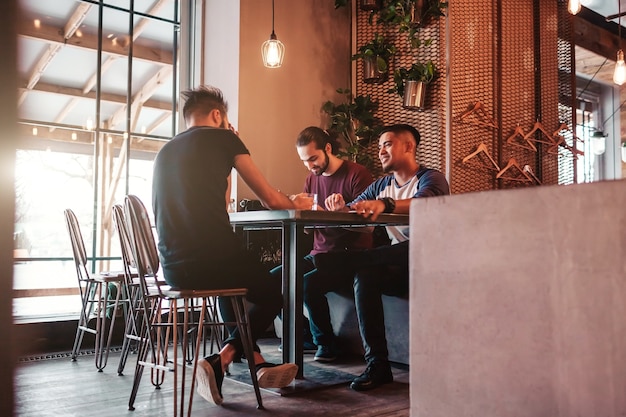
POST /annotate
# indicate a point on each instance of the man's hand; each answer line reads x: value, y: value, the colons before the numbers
x: 335, y: 202
x: 302, y: 201
x: 369, y: 208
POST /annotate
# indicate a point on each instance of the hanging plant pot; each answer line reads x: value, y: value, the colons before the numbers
x: 370, y: 4
x: 375, y: 70
x: 414, y: 95
x: 417, y: 13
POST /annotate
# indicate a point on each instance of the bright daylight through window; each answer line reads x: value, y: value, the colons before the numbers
x: 96, y: 102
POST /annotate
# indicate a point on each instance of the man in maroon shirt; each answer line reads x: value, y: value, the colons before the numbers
x: 324, y: 265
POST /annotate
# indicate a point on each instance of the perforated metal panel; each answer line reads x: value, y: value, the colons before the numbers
x: 514, y: 61
x: 429, y: 122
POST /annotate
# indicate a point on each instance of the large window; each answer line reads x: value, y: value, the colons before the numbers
x: 97, y: 101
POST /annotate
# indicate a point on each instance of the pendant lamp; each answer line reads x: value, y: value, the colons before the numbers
x: 273, y: 50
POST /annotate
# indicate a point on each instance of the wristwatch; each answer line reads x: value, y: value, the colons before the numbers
x: 390, y: 204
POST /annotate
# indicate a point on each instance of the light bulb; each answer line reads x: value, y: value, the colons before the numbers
x: 619, y: 76
x: 273, y: 52
x: 574, y: 6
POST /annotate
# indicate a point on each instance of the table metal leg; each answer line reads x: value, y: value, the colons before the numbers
x: 292, y: 294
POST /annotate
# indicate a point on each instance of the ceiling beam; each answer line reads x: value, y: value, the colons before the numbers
x: 142, y: 96
x: 113, y: 98
x: 137, y: 31
x: 52, y: 34
x: 596, y: 39
x: 72, y: 24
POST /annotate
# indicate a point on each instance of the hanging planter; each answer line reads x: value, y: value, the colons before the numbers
x: 414, y: 95
x: 375, y: 55
x: 417, y: 12
x: 373, y: 71
x: 370, y: 4
x: 410, y: 84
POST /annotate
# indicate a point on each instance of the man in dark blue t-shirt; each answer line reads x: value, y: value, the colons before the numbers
x: 197, y: 246
x: 385, y: 270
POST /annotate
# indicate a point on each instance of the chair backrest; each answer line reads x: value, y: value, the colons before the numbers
x: 142, y: 242
x: 122, y: 231
x: 78, y: 245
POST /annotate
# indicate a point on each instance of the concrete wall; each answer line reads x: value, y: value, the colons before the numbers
x: 518, y: 303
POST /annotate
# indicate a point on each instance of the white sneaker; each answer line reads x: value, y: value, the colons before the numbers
x: 271, y: 375
x: 209, y: 378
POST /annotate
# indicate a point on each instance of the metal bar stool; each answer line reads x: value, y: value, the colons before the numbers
x: 94, y: 293
x: 154, y: 293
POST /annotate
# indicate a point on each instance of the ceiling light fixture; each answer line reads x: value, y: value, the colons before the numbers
x: 574, y: 6
x: 598, y: 142
x: 273, y: 50
x: 619, y: 76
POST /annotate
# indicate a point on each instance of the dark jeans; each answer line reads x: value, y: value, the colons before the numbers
x: 383, y: 270
x: 332, y: 275
x: 242, y: 271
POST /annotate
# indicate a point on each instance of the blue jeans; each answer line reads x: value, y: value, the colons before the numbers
x: 317, y: 282
x: 383, y: 270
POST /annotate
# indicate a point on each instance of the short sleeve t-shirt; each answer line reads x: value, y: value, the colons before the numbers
x: 349, y: 180
x: 425, y: 183
x: 188, y: 196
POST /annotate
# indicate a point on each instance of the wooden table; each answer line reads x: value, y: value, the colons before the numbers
x: 292, y: 223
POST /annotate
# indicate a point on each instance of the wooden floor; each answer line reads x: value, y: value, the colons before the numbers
x: 58, y: 387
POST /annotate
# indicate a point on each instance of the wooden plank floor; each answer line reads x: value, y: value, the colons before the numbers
x: 59, y: 387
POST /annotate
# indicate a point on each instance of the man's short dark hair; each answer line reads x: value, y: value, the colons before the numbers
x: 203, y: 100
x: 401, y: 127
x: 320, y: 136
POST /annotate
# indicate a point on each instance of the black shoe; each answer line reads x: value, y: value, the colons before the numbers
x: 307, y: 347
x: 209, y: 378
x: 271, y: 375
x: 375, y: 375
x: 325, y: 354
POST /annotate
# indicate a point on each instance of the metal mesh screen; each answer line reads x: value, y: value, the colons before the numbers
x: 509, y: 73
x: 429, y: 122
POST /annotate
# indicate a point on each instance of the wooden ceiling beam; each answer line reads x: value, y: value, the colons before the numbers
x: 142, y: 96
x: 52, y: 34
x: 113, y: 98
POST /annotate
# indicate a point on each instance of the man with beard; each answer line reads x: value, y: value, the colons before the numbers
x: 385, y: 270
x: 324, y: 264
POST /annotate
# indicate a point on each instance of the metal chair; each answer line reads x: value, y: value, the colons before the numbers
x: 153, y: 295
x: 94, y: 294
x: 133, y: 318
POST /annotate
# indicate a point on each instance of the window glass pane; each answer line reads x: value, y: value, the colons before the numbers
x: 80, y: 153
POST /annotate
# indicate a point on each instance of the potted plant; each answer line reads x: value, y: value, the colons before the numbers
x: 354, y: 122
x: 375, y: 55
x: 410, y: 83
x: 623, y: 151
x: 411, y: 15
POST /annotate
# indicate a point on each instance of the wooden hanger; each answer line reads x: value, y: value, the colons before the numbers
x: 544, y: 138
x: 560, y: 141
x: 519, y: 139
x: 481, y: 117
x: 565, y: 127
x: 529, y: 171
x: 513, y: 172
x: 482, y: 150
